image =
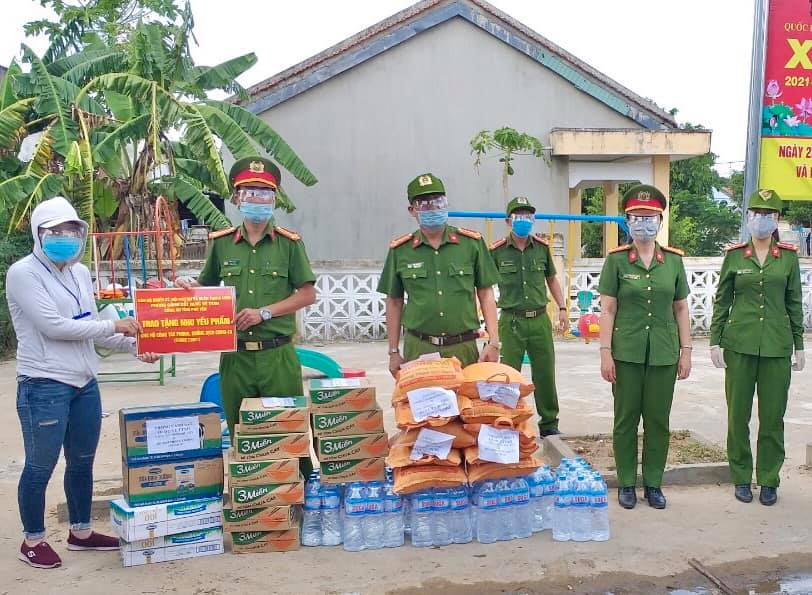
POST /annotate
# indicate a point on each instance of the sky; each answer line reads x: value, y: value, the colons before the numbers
x: 693, y: 55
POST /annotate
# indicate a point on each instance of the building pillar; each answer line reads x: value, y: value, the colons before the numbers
x: 610, y: 199
x: 574, y: 245
x: 661, y: 165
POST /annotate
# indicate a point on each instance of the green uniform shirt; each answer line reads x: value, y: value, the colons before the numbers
x: 758, y: 309
x: 262, y: 274
x: 523, y: 274
x: 439, y: 283
x: 645, y: 328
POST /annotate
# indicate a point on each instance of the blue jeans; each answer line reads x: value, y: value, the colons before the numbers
x: 55, y: 415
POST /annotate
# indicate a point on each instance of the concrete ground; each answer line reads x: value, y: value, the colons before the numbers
x: 649, y: 549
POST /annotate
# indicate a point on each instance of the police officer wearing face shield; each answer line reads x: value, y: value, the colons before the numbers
x: 268, y: 267
x: 758, y: 321
x: 645, y: 342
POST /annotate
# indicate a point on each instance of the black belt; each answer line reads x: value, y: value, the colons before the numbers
x: 263, y: 345
x: 528, y: 313
x: 445, y: 340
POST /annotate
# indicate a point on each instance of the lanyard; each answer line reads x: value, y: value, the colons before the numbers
x: 65, y: 287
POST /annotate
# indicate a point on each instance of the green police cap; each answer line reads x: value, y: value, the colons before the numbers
x: 644, y: 196
x: 256, y: 171
x: 424, y: 184
x: 766, y: 199
x: 520, y: 202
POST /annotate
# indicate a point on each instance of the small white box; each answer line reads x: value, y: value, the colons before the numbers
x: 193, y: 544
x: 148, y: 522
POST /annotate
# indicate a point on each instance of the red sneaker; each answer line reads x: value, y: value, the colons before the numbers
x: 39, y: 556
x: 95, y: 541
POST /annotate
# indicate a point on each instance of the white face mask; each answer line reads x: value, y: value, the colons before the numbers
x: 761, y: 225
x: 642, y: 228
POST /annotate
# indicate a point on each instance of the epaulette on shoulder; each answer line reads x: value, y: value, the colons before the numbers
x: 401, y: 240
x: 786, y: 246
x: 497, y: 244
x: 621, y: 248
x: 222, y: 233
x: 736, y: 246
x: 674, y: 250
x: 541, y: 239
x: 291, y: 235
x: 470, y: 233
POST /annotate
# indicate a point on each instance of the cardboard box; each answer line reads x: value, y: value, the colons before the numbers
x: 357, y: 470
x: 343, y: 448
x: 348, y: 423
x: 173, y: 481
x: 169, y: 432
x: 260, y: 496
x: 148, y: 522
x: 258, y: 447
x: 255, y: 542
x: 270, y: 518
x: 261, y: 472
x: 206, y: 542
x: 330, y: 395
x: 274, y: 415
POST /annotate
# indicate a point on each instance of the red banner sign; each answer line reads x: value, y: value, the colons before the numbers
x: 186, y: 320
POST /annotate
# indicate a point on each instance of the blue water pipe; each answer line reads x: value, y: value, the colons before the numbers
x: 621, y: 221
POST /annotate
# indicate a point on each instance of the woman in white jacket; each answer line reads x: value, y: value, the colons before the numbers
x: 52, y: 307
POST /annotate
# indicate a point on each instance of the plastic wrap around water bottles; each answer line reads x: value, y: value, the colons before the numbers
x: 535, y: 483
x: 461, y: 527
x: 505, y: 510
x: 548, y: 499
x: 522, y: 510
x: 422, y: 509
x: 561, y: 510
x: 353, y: 512
x: 330, y: 515
x: 599, y: 507
x: 487, y: 519
x: 392, y: 516
x: 580, y: 513
x: 441, y: 518
x: 311, y: 513
x: 374, y: 519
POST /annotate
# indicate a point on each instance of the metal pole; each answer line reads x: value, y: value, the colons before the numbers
x: 754, y: 119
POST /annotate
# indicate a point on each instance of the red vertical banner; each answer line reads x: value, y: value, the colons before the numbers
x: 786, y: 116
x: 186, y: 320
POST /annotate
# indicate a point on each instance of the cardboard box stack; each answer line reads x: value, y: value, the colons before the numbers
x: 351, y: 444
x: 266, y: 487
x: 172, y: 469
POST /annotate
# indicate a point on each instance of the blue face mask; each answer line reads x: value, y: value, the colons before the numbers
x: 256, y: 212
x: 645, y: 229
x: 60, y: 249
x: 762, y: 226
x: 521, y: 227
x: 432, y: 219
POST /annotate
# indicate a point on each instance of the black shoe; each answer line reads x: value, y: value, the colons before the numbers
x: 768, y: 496
x: 550, y: 432
x: 627, y: 497
x: 744, y: 493
x: 655, y: 497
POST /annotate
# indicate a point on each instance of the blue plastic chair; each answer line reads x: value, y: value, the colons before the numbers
x: 210, y: 392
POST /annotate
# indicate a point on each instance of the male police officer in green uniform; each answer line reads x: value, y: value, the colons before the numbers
x: 645, y: 342
x: 443, y: 270
x: 525, y: 264
x: 758, y: 320
x: 270, y: 271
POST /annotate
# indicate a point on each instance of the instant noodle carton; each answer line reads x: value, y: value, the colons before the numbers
x: 258, y: 496
x: 257, y: 447
x: 256, y: 542
x: 147, y: 522
x: 342, y: 448
x: 173, y: 481
x: 262, y: 472
x: 274, y: 415
x: 348, y: 423
x: 329, y: 395
x: 352, y: 470
x: 193, y: 544
x: 269, y: 518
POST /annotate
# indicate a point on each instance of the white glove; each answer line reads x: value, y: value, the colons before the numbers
x: 716, y: 356
x: 800, y: 361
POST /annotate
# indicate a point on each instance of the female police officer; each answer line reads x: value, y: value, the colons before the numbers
x: 758, y: 320
x: 645, y: 342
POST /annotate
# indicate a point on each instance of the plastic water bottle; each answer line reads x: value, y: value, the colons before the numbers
x: 535, y: 483
x: 548, y: 499
x: 330, y: 515
x: 505, y: 514
x: 475, y: 488
x: 581, y: 513
x: 355, y: 506
x: 441, y: 518
x: 311, y: 515
x: 373, y: 519
x: 522, y: 510
x: 392, y: 516
x: 407, y: 515
x: 599, y: 507
x: 422, y: 510
x: 461, y: 528
x: 561, y: 511
x: 487, y: 515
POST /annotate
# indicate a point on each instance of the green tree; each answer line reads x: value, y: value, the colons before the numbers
x: 508, y: 143
x: 799, y: 212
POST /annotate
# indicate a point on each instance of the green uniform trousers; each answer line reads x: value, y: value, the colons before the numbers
x: 466, y: 352
x: 770, y: 376
x: 534, y: 336
x: 641, y: 389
